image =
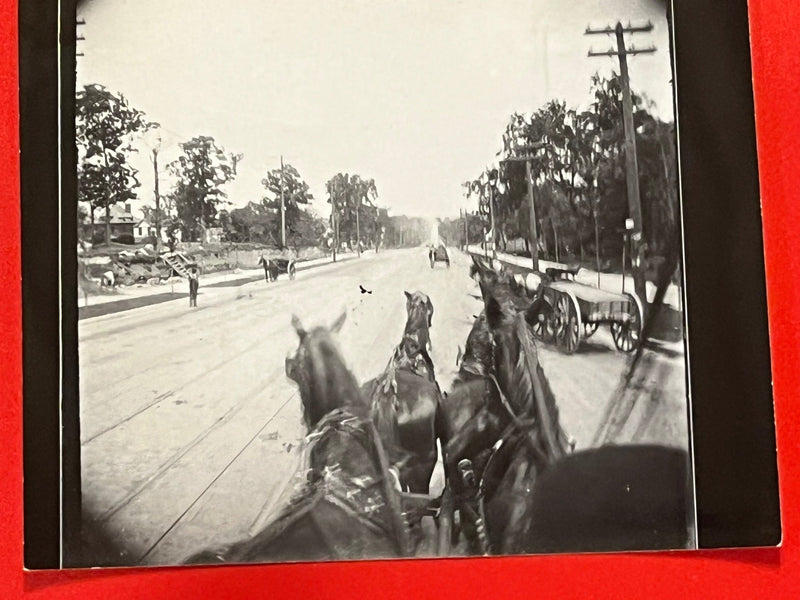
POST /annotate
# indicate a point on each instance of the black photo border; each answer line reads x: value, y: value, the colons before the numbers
x: 733, y: 433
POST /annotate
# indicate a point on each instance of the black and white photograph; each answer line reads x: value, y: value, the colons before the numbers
x: 378, y: 280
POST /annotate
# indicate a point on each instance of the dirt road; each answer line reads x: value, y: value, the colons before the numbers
x: 188, y: 422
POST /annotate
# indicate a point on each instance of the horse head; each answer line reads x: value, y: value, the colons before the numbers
x: 517, y: 372
x: 476, y: 358
x: 318, y: 368
x: 419, y: 309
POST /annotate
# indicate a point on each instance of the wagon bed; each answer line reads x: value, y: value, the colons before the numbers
x: 576, y: 310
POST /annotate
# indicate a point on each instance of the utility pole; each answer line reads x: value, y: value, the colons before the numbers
x: 631, y: 163
x: 333, y: 221
x: 78, y: 36
x: 466, y: 231
x: 158, y: 201
x: 377, y: 231
x: 358, y: 232
x: 283, y: 211
x: 533, y: 240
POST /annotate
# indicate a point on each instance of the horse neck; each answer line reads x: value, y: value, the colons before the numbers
x: 418, y: 328
x: 529, y: 394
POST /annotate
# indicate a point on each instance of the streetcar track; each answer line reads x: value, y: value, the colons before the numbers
x: 159, y: 399
x: 214, y: 480
x: 265, y: 312
x: 195, y: 376
x: 176, y: 456
x: 257, y: 314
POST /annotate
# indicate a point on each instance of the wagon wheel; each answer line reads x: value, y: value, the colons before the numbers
x: 432, y: 259
x: 589, y: 329
x: 627, y: 335
x: 544, y: 328
x: 292, y: 271
x: 567, y: 320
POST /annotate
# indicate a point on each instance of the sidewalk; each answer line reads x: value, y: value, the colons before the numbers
x: 142, y: 294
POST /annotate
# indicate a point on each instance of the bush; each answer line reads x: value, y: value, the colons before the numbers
x: 125, y: 238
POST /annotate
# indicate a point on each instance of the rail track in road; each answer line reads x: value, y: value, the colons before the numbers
x: 188, y: 418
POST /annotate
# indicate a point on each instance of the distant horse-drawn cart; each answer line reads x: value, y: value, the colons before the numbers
x: 438, y: 254
x: 278, y: 266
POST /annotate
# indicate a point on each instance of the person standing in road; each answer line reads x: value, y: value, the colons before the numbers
x: 194, y: 284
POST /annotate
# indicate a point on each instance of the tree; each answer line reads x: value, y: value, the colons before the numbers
x: 295, y: 193
x: 201, y: 172
x: 578, y: 176
x: 105, y: 125
x: 253, y: 223
x: 354, y: 209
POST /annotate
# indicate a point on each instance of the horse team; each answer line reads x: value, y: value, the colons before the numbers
x: 371, y: 449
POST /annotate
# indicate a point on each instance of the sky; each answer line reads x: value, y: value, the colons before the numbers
x: 415, y: 94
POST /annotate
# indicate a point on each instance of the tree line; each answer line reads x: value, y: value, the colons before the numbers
x: 579, y: 185
x: 107, y: 127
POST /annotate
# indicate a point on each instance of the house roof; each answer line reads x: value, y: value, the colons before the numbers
x: 119, y: 214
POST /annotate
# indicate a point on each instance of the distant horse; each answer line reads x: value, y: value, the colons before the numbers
x: 347, y: 506
x: 405, y: 398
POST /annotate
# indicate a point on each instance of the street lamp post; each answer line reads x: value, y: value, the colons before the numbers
x: 153, y: 140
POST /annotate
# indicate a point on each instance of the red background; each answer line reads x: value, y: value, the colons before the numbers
x: 764, y: 573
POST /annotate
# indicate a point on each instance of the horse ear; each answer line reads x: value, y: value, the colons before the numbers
x: 298, y: 327
x: 338, y: 323
x: 459, y: 356
x: 429, y: 306
x: 408, y: 294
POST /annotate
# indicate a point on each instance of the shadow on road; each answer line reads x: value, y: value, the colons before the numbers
x: 85, y: 312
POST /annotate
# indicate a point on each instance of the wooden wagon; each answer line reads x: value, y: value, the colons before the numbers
x: 576, y: 310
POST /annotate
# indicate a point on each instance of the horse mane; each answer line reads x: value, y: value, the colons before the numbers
x: 539, y: 399
x: 530, y: 398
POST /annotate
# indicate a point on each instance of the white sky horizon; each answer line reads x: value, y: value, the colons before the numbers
x: 414, y: 94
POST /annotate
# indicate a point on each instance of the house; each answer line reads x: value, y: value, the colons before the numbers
x: 122, y: 223
x: 143, y: 229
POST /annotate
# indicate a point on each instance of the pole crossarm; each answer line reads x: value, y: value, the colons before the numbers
x: 517, y: 159
x: 648, y: 27
x: 527, y: 157
x: 628, y: 51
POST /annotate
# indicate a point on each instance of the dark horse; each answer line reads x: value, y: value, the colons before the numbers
x: 405, y: 399
x: 345, y: 503
x: 500, y: 400
x: 531, y: 495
